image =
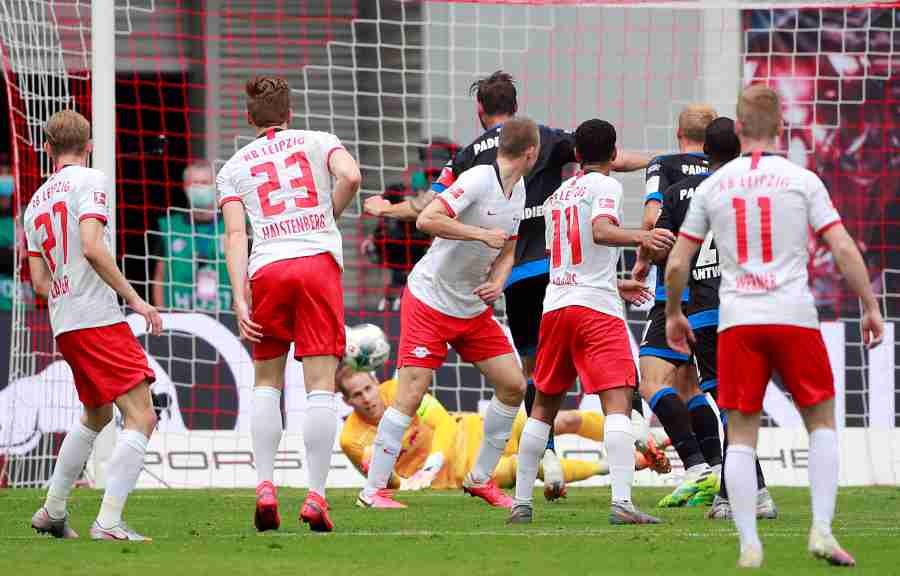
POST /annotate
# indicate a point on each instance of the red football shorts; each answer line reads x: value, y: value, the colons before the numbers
x: 299, y: 301
x: 106, y: 362
x: 425, y: 334
x: 747, y: 356
x: 576, y: 341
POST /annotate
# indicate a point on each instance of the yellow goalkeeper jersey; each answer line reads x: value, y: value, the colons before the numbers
x: 457, y: 436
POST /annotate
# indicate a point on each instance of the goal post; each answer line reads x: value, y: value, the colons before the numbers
x: 163, y: 82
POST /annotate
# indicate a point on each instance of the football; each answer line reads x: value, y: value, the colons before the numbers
x: 367, y: 347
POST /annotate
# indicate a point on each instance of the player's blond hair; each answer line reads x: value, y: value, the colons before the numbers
x: 517, y: 136
x: 67, y: 132
x: 693, y: 120
x: 268, y: 101
x: 759, y: 112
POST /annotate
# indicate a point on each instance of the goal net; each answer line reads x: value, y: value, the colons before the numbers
x: 390, y: 78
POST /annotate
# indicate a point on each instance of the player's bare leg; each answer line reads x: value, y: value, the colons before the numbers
x: 531, y: 446
x: 619, y: 440
x: 319, y: 430
x: 412, y: 384
x: 704, y: 424
x: 126, y: 464
x: 823, y: 482
x: 657, y: 377
x: 52, y: 518
x: 554, y: 478
x: 509, y: 388
x: 266, y: 430
x: 743, y: 430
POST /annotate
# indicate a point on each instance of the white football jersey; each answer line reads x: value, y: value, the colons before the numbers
x: 447, y: 275
x: 760, y: 209
x: 282, y: 178
x: 583, y: 273
x: 79, y: 298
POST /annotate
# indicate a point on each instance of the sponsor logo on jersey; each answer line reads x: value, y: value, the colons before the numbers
x: 486, y: 144
x: 420, y: 352
x: 707, y: 273
x: 686, y: 193
x: 534, y: 212
x: 100, y: 197
x: 693, y: 169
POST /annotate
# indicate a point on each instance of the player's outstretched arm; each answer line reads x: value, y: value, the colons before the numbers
x: 347, y: 180
x: 406, y: 210
x: 95, y: 252
x: 851, y: 264
x: 628, y: 161
x: 436, y: 220
x: 608, y: 233
x: 40, y: 276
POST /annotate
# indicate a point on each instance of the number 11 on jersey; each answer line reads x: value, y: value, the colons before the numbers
x: 573, y: 234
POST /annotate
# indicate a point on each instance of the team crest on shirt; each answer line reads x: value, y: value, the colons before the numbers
x: 420, y: 352
x: 100, y: 197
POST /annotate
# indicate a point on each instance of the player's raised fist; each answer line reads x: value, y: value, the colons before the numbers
x: 495, y: 238
x: 375, y: 205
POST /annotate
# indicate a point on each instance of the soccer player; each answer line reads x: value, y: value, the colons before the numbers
x: 69, y: 239
x: 668, y: 380
x: 293, y: 185
x: 440, y: 448
x: 448, y: 300
x: 496, y: 98
x: 721, y: 145
x: 583, y: 331
x: 759, y: 208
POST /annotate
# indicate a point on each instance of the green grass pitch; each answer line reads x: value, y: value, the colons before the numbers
x: 210, y: 532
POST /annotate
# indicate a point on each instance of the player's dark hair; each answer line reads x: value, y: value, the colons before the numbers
x: 721, y: 143
x: 595, y: 141
x: 496, y: 94
x: 517, y: 136
x: 268, y: 101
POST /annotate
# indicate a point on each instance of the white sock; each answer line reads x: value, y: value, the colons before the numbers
x: 619, y: 440
x: 823, y: 476
x: 498, y: 423
x: 740, y: 478
x: 265, y: 429
x: 73, y: 454
x: 124, y: 468
x: 319, y: 429
x: 532, y: 444
x: 386, y: 449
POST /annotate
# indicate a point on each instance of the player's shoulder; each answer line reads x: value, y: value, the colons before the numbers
x: 600, y: 182
x: 554, y: 135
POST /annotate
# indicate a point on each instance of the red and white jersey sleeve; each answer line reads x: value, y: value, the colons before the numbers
x: 761, y: 211
x: 822, y: 213
x: 446, y: 277
x: 583, y: 273
x: 79, y: 298
x: 284, y: 182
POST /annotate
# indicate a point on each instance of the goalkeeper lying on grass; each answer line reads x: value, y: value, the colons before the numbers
x: 439, y: 448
